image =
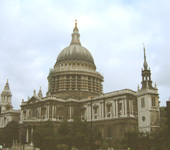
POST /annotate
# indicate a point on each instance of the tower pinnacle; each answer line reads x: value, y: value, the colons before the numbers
x: 40, y: 93
x: 75, y: 35
x: 6, y: 94
x: 145, y: 64
x: 6, y: 87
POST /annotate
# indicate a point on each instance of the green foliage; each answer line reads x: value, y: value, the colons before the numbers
x: 10, y: 133
x: 62, y: 147
x: 163, y: 119
x: 104, y: 145
x: 1, y: 137
x: 44, y: 137
x: 77, y: 134
x: 118, y: 144
x: 161, y: 139
x: 156, y: 140
x: 81, y: 133
x: 138, y: 140
x: 64, y: 134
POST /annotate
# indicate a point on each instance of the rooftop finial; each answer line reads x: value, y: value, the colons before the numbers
x: 145, y: 64
x: 75, y: 22
x: 34, y: 92
x: 75, y: 35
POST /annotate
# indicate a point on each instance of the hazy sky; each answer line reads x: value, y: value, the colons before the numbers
x: 33, y: 33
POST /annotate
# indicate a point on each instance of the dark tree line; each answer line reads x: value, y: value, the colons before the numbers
x: 9, y: 134
x: 76, y: 134
x: 135, y: 140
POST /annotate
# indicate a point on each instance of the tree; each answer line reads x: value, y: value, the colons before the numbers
x: 64, y: 134
x: 1, y: 137
x: 44, y: 136
x: 138, y: 140
x: 81, y: 133
x: 161, y: 139
x: 156, y: 140
x: 77, y: 134
x: 10, y: 133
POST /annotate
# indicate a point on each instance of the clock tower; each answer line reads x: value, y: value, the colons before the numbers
x: 148, y: 102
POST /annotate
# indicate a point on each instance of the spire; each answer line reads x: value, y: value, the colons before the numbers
x: 146, y: 74
x: 145, y: 64
x: 6, y: 87
x: 75, y: 35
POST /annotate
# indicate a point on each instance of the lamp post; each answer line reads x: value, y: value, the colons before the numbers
x: 91, y: 123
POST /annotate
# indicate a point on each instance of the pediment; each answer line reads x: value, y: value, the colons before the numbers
x: 33, y: 100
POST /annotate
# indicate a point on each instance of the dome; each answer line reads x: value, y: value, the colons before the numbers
x: 75, y: 52
x: 74, y: 74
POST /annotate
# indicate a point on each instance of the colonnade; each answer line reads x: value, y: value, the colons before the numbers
x: 118, y: 108
x: 76, y: 82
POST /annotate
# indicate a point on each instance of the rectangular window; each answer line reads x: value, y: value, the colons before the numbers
x: 142, y: 102
x: 153, y: 101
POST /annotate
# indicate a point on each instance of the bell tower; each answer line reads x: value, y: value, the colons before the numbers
x: 148, y: 101
x: 6, y: 98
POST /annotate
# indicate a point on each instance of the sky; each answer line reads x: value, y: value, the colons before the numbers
x: 34, y: 32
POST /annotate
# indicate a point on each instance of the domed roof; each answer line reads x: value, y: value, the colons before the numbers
x: 75, y: 51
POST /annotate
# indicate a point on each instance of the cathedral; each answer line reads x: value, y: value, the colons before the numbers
x: 75, y: 90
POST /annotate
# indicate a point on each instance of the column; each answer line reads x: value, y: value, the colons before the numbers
x: 126, y: 107
x: 70, y: 78
x: 89, y: 112
x: 76, y: 82
x: 132, y: 108
x: 21, y: 116
x: 113, y: 108
x: 31, y: 136
x: 70, y: 112
x: 27, y: 136
x: 101, y: 107
x: 99, y: 112
x: 52, y: 111
x: 116, y: 108
x: 86, y: 112
x: 46, y: 113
